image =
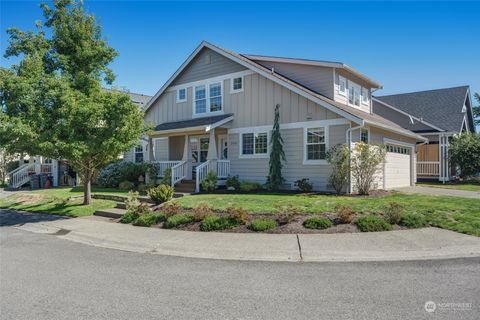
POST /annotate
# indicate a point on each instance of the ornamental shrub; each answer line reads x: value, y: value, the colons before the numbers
x: 132, y: 201
x: 393, y: 213
x: 345, y: 213
x: 171, y: 209
x: 233, y: 181
x: 464, y: 151
x: 263, y: 224
x: 178, y: 219
x: 201, y: 211
x: 338, y: 156
x: 126, y: 185
x: 372, y: 224
x: 167, y: 177
x: 238, y: 214
x: 317, y: 223
x: 161, y: 193
x: 210, y: 182
x: 365, y: 160
x: 129, y: 217
x: 304, y: 185
x: 212, y: 223
x: 247, y: 186
x: 413, y: 220
x: 148, y: 220
x: 116, y: 172
x: 286, y: 214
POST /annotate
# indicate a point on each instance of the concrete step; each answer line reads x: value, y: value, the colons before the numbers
x: 115, y: 213
x: 184, y: 190
x: 121, y: 205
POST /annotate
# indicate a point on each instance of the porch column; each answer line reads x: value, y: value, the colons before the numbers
x: 187, y: 156
x: 38, y: 162
x: 55, y: 173
x: 212, y: 154
x: 150, y: 158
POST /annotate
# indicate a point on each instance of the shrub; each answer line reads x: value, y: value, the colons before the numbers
x: 413, y: 220
x: 132, y: 201
x: 464, y: 151
x: 263, y: 224
x: 171, y: 209
x: 161, y: 194
x: 345, y: 213
x: 304, y: 185
x: 210, y: 182
x: 148, y: 220
x: 364, y: 163
x: 212, y: 223
x: 201, y: 211
x: 142, y: 209
x: 239, y: 214
x: 178, y: 219
x: 116, y: 172
x: 317, y: 223
x: 393, y: 213
x: 232, y: 181
x: 286, y: 214
x: 247, y: 186
x: 372, y: 224
x: 126, y: 185
x: 167, y: 177
x: 129, y: 217
x: 337, y: 156
x: 142, y: 187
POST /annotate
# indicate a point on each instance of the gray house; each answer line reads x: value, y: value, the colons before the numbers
x: 216, y: 113
x: 435, y: 114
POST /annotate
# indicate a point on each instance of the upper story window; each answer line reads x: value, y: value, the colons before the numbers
x: 208, y: 98
x: 365, y: 96
x: 353, y: 94
x: 181, y: 95
x: 315, y: 145
x: 139, y: 153
x: 342, y: 86
x: 364, y: 135
x: 253, y: 144
x: 236, y: 84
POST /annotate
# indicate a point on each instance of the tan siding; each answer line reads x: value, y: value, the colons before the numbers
x: 176, y: 147
x: 344, y: 99
x: 161, y: 149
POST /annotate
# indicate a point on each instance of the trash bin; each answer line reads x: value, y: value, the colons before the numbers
x: 43, y: 180
x: 35, y: 182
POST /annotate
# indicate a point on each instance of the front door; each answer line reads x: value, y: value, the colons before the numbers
x: 223, y: 148
x: 199, y: 147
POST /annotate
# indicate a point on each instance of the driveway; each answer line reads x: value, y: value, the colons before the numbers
x: 440, y: 192
x: 45, y: 277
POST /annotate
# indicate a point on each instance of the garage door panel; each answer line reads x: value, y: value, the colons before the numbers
x: 397, y: 167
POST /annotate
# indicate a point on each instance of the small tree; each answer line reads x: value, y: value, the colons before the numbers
x: 364, y: 161
x: 277, y: 155
x: 337, y: 156
x: 464, y: 151
x: 476, y: 110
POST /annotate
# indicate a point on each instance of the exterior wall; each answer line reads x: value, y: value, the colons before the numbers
x: 176, y: 147
x: 344, y: 99
x: 160, y: 149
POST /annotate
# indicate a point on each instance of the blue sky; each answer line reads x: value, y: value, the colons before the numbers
x: 406, y: 46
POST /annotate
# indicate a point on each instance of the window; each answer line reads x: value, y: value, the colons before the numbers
x: 342, y: 86
x: 365, y: 96
x: 199, y: 149
x: 364, y: 136
x: 208, y: 98
x: 236, y: 84
x: 181, y: 95
x: 316, y: 144
x: 139, y: 153
x: 353, y: 94
x: 398, y: 149
x: 255, y: 143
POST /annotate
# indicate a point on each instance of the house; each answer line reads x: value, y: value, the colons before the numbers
x: 435, y: 114
x: 216, y: 113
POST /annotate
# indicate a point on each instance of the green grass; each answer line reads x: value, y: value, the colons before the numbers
x: 473, y: 186
x: 454, y: 213
x: 53, y: 201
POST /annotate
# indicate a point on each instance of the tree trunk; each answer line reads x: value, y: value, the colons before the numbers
x: 87, y: 188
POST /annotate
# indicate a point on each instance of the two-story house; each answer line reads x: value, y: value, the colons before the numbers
x: 216, y: 113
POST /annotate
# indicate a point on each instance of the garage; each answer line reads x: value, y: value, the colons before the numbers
x: 398, y: 166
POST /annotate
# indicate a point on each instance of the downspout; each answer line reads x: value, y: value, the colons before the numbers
x: 348, y: 139
x: 415, y: 163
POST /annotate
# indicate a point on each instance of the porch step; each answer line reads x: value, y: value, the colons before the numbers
x: 114, y: 213
x: 121, y: 205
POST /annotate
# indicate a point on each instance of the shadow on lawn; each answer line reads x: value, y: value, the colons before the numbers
x: 9, y: 217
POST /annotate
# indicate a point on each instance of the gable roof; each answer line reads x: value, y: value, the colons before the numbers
x: 443, y: 108
x: 357, y: 116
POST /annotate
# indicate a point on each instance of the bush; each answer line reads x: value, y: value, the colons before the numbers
x: 116, y: 172
x: 413, y: 220
x: 365, y: 160
x: 304, y: 185
x: 132, y: 201
x: 129, y: 217
x: 239, y: 214
x: 167, y: 177
x: 161, y: 194
x: 464, y: 151
x: 212, y: 223
x: 286, y: 214
x: 247, y: 186
x: 393, y: 213
x: 372, y: 224
x: 142, y: 187
x: 171, y: 209
x: 178, y: 219
x: 126, y: 185
x: 345, y: 213
x: 232, y: 181
x: 317, y: 223
x: 337, y: 156
x: 148, y: 220
x: 201, y: 211
x: 210, y: 182
x: 263, y: 224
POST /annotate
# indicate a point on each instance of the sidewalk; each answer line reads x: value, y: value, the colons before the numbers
x: 422, y: 244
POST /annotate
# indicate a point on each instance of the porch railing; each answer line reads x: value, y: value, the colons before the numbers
x: 201, y: 172
x: 179, y: 172
x: 163, y: 165
x: 21, y: 175
x: 223, y: 168
x: 428, y: 168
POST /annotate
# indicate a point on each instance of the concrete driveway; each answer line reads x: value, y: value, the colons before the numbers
x: 440, y: 192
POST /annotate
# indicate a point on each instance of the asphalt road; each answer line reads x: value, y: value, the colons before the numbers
x: 44, y: 277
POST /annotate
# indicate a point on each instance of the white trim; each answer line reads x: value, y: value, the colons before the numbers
x: 254, y: 155
x: 218, y: 123
x: 307, y: 162
x: 365, y: 103
x: 466, y: 124
x: 178, y: 100
x: 212, y: 79
x: 207, y: 112
x: 399, y: 131
x: 293, y: 125
x: 360, y: 134
x: 205, y: 128
x: 231, y: 84
x: 344, y: 93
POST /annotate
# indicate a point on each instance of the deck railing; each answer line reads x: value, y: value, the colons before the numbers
x: 179, y: 172
x: 163, y: 165
x: 223, y: 168
x: 428, y: 168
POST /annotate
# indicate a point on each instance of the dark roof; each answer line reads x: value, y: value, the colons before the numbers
x: 440, y: 107
x: 137, y: 98
x: 204, y: 121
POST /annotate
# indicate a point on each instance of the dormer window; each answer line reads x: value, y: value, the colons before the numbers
x: 342, y: 86
x: 354, y: 94
x: 365, y: 96
x: 181, y: 95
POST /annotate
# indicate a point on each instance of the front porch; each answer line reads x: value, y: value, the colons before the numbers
x: 433, y: 162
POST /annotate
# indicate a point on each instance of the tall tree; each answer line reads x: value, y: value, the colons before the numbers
x: 277, y: 155
x: 476, y: 110
x: 53, y: 102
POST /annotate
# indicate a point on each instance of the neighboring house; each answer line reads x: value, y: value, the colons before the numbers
x: 216, y: 113
x: 435, y: 114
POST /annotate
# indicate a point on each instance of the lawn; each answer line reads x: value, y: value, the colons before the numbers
x: 454, y: 213
x: 54, y: 201
x: 467, y: 186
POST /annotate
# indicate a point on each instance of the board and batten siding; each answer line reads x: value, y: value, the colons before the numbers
x: 160, y: 150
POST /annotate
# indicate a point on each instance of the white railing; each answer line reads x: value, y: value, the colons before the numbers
x: 46, y: 168
x: 223, y: 168
x: 428, y: 168
x: 201, y: 172
x: 163, y: 165
x: 21, y: 175
x: 179, y: 172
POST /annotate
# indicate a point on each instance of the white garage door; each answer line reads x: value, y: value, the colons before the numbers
x: 397, y: 167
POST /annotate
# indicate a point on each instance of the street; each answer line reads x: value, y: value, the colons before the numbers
x: 43, y: 277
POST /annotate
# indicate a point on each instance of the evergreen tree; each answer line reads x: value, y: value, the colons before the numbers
x: 277, y: 155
